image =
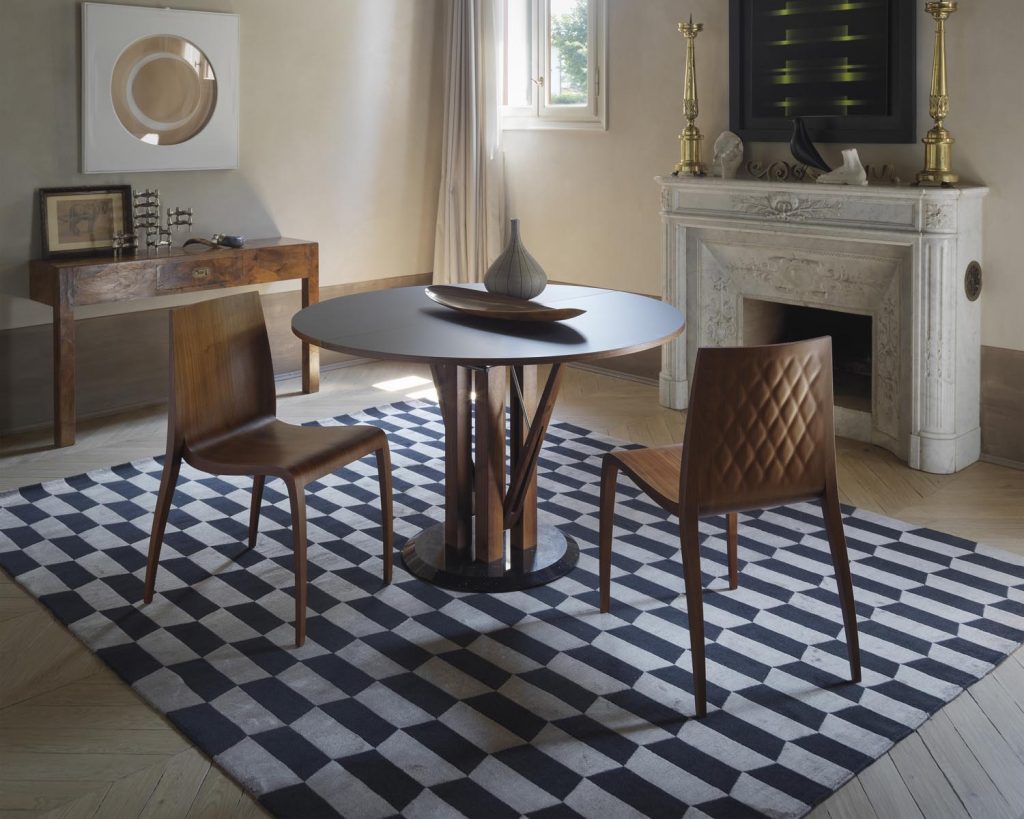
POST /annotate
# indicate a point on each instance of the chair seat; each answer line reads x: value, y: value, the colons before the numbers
x: 292, y: 450
x: 655, y: 470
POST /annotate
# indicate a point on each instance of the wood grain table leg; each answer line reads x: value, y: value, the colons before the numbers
x: 63, y: 365
x: 453, y: 394
x: 524, y: 473
x: 489, y: 544
x: 523, y: 405
x: 310, y: 352
x: 537, y: 554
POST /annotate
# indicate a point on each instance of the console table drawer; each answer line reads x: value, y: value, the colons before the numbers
x: 189, y: 275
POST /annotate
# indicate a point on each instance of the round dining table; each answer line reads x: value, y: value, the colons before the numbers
x: 490, y: 539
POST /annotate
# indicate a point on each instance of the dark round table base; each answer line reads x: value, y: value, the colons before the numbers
x: 427, y: 557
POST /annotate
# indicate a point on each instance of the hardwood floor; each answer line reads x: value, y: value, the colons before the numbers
x: 77, y: 742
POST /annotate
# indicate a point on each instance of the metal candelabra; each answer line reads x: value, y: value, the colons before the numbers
x: 179, y: 217
x: 146, y: 217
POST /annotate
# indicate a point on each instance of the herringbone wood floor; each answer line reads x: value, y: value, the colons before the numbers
x: 77, y: 742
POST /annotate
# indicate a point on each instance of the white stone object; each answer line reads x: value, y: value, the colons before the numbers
x: 896, y: 254
x: 851, y: 172
x: 728, y: 155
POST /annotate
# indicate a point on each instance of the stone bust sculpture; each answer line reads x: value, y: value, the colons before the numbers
x: 728, y: 155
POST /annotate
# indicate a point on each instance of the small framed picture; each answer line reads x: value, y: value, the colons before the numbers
x: 83, y: 221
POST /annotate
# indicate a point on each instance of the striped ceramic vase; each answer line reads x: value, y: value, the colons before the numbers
x: 515, y: 272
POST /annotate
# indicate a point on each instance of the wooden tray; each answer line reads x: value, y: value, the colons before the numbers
x: 497, y: 306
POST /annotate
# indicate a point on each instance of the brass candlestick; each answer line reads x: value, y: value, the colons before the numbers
x: 938, y: 142
x: 690, y: 138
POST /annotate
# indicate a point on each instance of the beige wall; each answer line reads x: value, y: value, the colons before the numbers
x: 613, y: 237
x: 340, y: 136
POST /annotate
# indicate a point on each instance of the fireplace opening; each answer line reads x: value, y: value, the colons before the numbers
x: 768, y: 322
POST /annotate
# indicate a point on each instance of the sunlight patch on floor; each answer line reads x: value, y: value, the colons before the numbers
x: 406, y: 382
x: 414, y: 386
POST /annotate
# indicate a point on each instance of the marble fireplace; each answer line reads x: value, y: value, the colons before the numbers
x: 883, y: 270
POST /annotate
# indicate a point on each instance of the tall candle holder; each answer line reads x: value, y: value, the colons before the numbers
x: 938, y: 142
x: 146, y: 214
x: 690, y: 138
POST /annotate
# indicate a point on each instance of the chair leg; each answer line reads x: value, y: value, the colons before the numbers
x: 732, y: 543
x: 690, y: 545
x: 297, y: 496
x: 609, y: 477
x: 254, y: 513
x: 844, y: 581
x: 386, y: 508
x: 172, y: 465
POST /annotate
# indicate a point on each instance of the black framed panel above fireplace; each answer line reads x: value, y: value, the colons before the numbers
x: 848, y: 68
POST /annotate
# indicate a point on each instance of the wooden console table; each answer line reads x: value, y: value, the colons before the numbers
x: 64, y: 283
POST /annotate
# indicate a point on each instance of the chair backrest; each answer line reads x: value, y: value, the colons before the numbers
x: 760, y: 427
x: 221, y: 372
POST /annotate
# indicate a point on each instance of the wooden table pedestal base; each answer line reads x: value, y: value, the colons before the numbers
x: 490, y: 540
x: 427, y: 557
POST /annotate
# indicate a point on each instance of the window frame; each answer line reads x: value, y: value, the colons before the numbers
x: 541, y: 114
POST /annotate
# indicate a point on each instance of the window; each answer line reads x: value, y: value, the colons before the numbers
x: 553, y: 64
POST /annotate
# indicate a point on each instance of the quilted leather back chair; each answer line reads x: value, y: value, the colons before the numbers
x: 759, y: 433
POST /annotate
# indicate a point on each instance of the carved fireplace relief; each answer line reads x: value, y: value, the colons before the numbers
x: 744, y: 260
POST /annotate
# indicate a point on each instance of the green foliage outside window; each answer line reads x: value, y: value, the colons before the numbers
x: 569, y: 37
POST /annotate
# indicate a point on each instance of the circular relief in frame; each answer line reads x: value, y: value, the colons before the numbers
x: 163, y: 89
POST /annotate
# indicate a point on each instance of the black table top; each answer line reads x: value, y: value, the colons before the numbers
x: 403, y: 324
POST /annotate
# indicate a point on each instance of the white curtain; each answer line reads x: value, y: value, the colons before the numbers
x: 470, y: 208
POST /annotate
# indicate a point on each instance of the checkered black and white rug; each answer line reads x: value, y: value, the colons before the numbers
x: 418, y: 701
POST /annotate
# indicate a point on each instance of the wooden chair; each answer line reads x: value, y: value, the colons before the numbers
x: 759, y: 433
x: 222, y: 419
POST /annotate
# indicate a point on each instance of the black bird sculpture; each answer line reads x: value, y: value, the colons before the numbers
x: 803, y: 149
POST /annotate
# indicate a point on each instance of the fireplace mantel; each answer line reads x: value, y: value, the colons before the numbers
x: 896, y: 254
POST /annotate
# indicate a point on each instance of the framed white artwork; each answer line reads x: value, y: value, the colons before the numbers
x: 159, y: 89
